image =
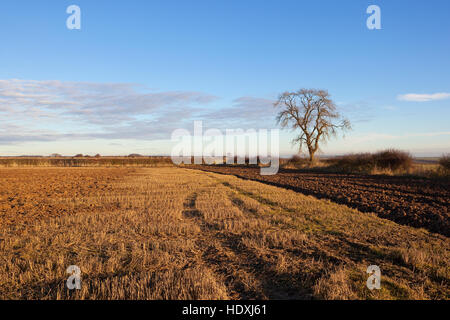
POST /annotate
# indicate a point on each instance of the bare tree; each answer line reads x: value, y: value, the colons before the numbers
x: 314, y: 113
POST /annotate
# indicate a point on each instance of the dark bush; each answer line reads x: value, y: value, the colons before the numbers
x: 359, y: 162
x: 393, y: 159
x: 444, y: 161
x: 295, y: 162
x: 390, y: 159
x: 298, y: 161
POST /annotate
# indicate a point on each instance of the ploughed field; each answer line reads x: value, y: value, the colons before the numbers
x: 412, y: 201
x: 176, y: 233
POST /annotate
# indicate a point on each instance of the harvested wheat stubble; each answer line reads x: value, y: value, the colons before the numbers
x: 416, y: 202
x: 172, y: 233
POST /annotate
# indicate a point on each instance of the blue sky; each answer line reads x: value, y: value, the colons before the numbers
x: 137, y: 70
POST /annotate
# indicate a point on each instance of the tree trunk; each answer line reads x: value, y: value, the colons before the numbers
x: 311, y: 155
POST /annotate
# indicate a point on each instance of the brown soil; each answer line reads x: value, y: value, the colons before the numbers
x: 412, y: 201
x: 30, y: 194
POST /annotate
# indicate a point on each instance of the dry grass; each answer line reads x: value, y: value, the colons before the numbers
x: 172, y: 233
x: 335, y: 285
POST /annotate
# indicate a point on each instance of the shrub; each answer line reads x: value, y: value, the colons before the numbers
x: 389, y: 160
x: 393, y: 159
x: 360, y: 162
x: 296, y: 162
x: 444, y: 161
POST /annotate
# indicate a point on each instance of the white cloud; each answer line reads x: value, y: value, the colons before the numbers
x: 91, y: 102
x: 50, y: 111
x: 423, y: 97
x: 54, y: 110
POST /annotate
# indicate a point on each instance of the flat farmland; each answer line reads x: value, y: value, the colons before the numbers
x: 414, y: 201
x: 177, y: 233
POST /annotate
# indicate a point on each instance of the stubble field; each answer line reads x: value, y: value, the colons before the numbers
x: 414, y: 201
x: 175, y: 233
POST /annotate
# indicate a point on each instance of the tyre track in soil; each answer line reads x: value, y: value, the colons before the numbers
x: 416, y: 202
x: 229, y: 258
